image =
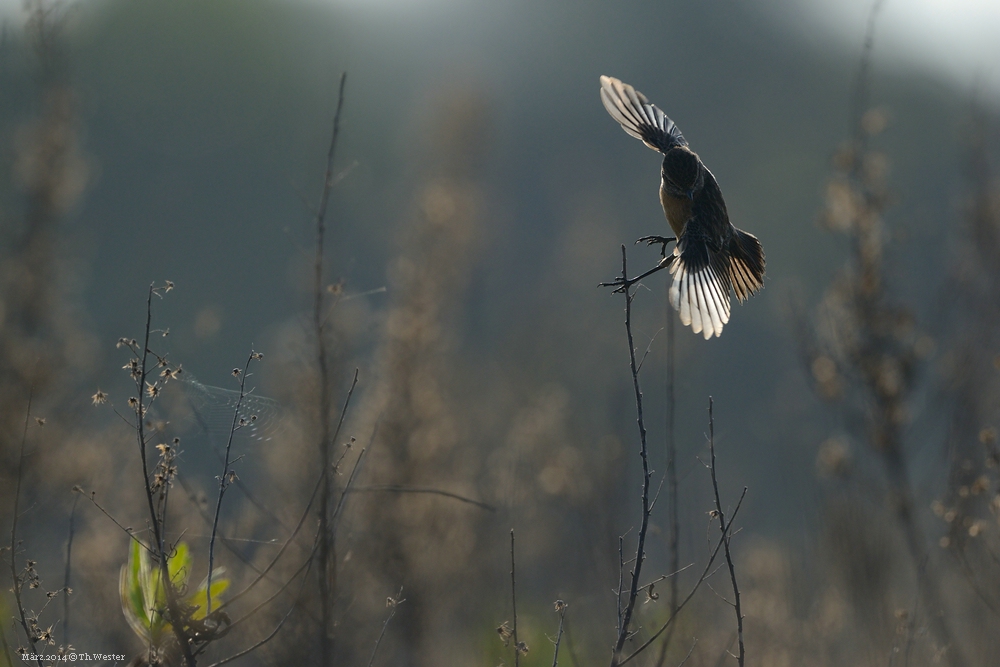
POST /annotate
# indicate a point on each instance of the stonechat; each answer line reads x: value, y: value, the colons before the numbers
x: 711, y: 256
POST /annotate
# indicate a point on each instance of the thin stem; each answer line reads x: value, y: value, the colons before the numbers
x: 223, y: 480
x: 640, y: 553
x: 304, y: 567
x: 694, y: 589
x: 327, y: 566
x: 862, y: 84
x: 397, y: 488
x: 281, y: 551
x: 357, y: 463
x: 347, y: 487
x: 673, y: 546
x: 690, y: 651
x: 125, y: 529
x: 328, y: 182
x: 15, y: 579
x: 561, y: 608
x: 6, y: 647
x: 156, y: 519
x: 513, y: 597
x: 298, y: 596
x: 392, y: 603
x: 68, y: 570
x: 725, y: 532
x: 621, y: 578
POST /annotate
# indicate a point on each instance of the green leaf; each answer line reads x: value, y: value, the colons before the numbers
x: 130, y: 588
x: 179, y: 565
x: 199, y: 598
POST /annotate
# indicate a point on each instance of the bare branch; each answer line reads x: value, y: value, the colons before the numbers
x: 397, y: 488
x: 513, y: 595
x: 392, y: 603
x: 640, y: 554
x: 16, y: 581
x: 725, y: 532
x: 694, y: 589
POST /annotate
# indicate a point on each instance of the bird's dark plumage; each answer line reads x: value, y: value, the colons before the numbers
x: 712, y: 256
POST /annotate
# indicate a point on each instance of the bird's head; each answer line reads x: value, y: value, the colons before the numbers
x: 682, y: 173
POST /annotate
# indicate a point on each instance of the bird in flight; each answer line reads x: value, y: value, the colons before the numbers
x: 711, y: 256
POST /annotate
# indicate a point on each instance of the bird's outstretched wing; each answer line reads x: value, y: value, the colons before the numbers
x: 639, y: 117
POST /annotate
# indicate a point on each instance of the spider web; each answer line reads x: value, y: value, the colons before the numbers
x: 213, y: 408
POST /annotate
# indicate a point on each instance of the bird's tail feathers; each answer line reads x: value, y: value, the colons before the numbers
x: 746, y: 264
x: 700, y: 289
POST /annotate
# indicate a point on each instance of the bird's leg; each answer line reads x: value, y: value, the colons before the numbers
x: 662, y: 240
x: 622, y: 284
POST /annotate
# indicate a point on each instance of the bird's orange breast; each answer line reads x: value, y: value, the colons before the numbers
x: 677, y: 210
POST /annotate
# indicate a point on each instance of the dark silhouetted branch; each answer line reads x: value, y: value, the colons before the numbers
x: 640, y: 554
x: 725, y: 531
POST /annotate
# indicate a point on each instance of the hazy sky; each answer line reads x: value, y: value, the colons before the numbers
x: 955, y: 39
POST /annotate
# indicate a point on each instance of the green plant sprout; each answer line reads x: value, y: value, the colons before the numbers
x: 144, y: 598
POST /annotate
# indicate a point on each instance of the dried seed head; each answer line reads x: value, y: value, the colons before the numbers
x: 99, y: 398
x: 505, y: 632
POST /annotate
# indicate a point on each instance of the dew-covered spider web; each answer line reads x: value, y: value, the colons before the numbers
x: 213, y: 410
x: 201, y: 411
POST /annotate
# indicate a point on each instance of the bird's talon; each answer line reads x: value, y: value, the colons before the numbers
x: 662, y: 240
x: 619, y: 285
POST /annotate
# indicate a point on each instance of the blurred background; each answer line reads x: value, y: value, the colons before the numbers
x: 481, y: 194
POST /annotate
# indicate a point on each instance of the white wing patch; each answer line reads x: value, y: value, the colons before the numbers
x: 700, y: 297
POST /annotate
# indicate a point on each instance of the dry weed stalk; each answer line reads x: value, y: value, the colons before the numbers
x: 327, y: 567
x: 866, y: 352
x: 970, y: 506
x: 423, y: 537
